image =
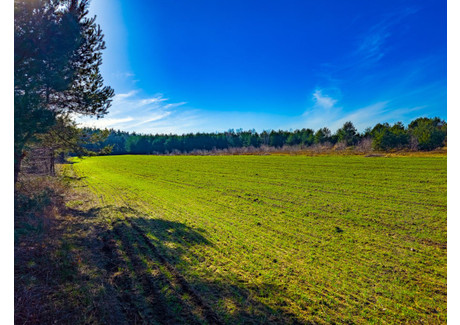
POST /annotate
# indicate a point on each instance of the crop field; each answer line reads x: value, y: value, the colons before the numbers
x: 272, y: 239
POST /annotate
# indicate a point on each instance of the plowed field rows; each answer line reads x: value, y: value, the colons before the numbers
x: 275, y: 239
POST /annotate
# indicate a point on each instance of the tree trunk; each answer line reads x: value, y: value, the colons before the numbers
x: 19, y: 153
x: 52, y: 164
x: 18, y: 157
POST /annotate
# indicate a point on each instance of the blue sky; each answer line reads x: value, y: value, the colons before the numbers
x: 188, y: 66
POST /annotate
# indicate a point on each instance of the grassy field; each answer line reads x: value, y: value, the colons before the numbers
x: 271, y: 239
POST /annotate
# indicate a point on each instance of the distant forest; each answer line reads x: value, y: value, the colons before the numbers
x: 421, y: 134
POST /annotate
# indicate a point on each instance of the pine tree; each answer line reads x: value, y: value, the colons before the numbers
x: 57, y: 55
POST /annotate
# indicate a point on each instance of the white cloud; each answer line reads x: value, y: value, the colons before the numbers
x: 363, y: 117
x: 148, y: 101
x: 155, y: 114
x: 322, y: 113
x: 120, y: 97
x: 377, y: 113
x: 153, y: 118
x: 326, y: 112
x: 132, y: 112
x: 104, y: 122
x: 323, y: 101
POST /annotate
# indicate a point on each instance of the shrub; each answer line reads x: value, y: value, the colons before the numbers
x: 428, y: 133
x: 386, y: 137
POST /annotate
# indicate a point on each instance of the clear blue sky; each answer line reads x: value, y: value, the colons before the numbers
x: 180, y: 66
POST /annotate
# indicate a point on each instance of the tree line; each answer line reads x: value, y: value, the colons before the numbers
x: 421, y: 134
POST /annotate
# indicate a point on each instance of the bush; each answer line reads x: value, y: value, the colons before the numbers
x: 386, y: 137
x: 364, y: 145
x: 428, y: 133
x: 36, y: 203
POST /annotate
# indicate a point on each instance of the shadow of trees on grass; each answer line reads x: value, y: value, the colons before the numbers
x: 148, y: 266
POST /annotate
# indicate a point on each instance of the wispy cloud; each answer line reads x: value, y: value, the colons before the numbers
x: 373, y: 46
x: 377, y: 113
x: 322, y: 100
x: 368, y: 49
x: 327, y: 111
x: 133, y: 112
x: 122, y: 75
x: 120, y: 97
x: 156, y: 114
x: 323, y: 111
x: 153, y: 119
x: 105, y: 122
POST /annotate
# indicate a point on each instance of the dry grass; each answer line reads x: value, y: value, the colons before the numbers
x: 58, y: 257
x: 364, y: 147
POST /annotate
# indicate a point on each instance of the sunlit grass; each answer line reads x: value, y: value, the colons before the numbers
x: 321, y: 239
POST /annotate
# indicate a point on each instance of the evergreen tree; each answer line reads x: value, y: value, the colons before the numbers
x: 57, y: 54
x: 322, y: 135
x: 347, y: 134
x: 429, y: 133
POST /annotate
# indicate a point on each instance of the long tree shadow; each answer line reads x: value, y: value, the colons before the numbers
x: 147, y: 262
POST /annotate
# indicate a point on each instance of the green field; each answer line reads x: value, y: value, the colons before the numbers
x: 273, y: 239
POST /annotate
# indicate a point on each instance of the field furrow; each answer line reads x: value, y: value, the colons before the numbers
x: 279, y: 239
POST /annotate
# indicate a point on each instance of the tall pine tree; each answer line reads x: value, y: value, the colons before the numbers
x: 57, y: 55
